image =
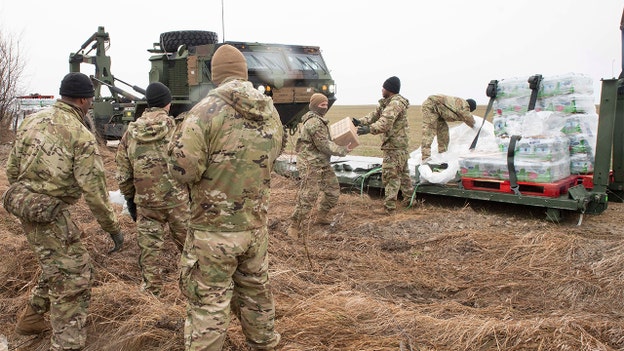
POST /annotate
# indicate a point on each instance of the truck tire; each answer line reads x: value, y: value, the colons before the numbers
x: 170, y: 41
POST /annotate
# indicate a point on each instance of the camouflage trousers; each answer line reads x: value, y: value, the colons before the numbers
x: 433, y: 125
x: 315, y: 179
x: 151, y: 239
x: 64, y: 286
x: 395, y: 176
x: 223, y: 272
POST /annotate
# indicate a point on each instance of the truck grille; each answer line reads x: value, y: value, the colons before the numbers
x: 177, y: 74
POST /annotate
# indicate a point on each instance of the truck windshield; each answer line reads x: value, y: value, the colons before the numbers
x: 307, y: 62
x: 271, y: 61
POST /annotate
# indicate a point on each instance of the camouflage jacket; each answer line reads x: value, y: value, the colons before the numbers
x: 225, y: 151
x: 55, y: 154
x: 142, y: 158
x: 314, y: 144
x: 452, y: 108
x: 390, y: 119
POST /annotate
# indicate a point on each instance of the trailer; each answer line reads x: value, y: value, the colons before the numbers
x: 582, y: 193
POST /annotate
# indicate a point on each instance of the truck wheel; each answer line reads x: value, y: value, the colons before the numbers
x: 170, y: 41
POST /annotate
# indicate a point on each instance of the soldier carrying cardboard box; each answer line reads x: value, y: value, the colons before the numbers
x: 314, y: 150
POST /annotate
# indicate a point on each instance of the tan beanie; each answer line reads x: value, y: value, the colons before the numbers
x: 227, y: 62
x: 316, y: 100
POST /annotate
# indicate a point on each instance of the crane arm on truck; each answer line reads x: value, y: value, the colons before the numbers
x: 100, y: 41
x: 110, y: 113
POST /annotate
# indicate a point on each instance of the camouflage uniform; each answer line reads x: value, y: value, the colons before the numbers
x: 314, y: 150
x: 437, y: 110
x: 142, y: 174
x: 55, y: 154
x: 390, y: 118
x: 225, y: 152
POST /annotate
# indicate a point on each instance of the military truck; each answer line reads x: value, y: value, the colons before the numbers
x: 289, y: 74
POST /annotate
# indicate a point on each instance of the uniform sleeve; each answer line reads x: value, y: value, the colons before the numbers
x: 467, y: 117
x: 373, y: 116
x: 14, y: 159
x: 463, y: 112
x: 125, y: 170
x: 188, y: 151
x: 89, y: 173
x: 387, y: 117
x: 459, y: 107
x: 284, y: 135
x: 320, y: 137
x: 12, y: 166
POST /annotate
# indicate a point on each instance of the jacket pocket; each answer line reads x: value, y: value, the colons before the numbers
x: 30, y: 206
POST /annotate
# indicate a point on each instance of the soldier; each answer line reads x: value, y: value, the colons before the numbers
x: 55, y: 157
x: 314, y: 150
x: 390, y: 119
x: 225, y: 152
x: 437, y: 110
x: 154, y: 198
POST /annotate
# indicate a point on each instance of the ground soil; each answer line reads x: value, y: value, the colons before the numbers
x: 443, y: 275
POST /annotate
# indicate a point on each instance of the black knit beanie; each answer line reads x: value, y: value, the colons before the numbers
x: 472, y: 104
x: 157, y: 95
x: 392, y: 84
x: 77, y: 85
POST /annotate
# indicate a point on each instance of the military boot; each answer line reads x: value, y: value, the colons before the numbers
x: 278, y: 337
x: 29, y: 322
x: 385, y: 211
x: 407, y: 203
x: 323, y: 217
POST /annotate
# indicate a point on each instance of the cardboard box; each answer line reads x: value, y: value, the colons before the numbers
x: 344, y: 132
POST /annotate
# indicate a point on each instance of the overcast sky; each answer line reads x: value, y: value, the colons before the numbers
x: 452, y: 47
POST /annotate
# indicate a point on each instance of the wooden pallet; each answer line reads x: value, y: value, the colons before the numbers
x: 554, y: 189
x: 588, y: 180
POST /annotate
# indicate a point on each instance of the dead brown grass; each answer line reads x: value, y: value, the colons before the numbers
x: 445, y: 275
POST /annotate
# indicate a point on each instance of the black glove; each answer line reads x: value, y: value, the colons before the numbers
x: 118, y: 240
x: 356, y: 122
x: 131, y: 208
x: 363, y: 130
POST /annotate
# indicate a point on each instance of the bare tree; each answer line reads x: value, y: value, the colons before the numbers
x: 11, y: 69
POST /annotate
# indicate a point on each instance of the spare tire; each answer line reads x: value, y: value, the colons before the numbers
x: 170, y: 41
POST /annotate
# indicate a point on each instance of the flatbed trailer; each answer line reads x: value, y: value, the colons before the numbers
x: 608, y: 177
x: 607, y: 181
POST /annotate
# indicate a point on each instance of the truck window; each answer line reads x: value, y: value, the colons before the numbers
x: 307, y: 62
x: 265, y: 61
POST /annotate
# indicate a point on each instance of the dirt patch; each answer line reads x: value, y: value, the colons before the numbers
x: 444, y: 275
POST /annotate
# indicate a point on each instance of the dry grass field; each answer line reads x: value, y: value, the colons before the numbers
x: 444, y: 275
